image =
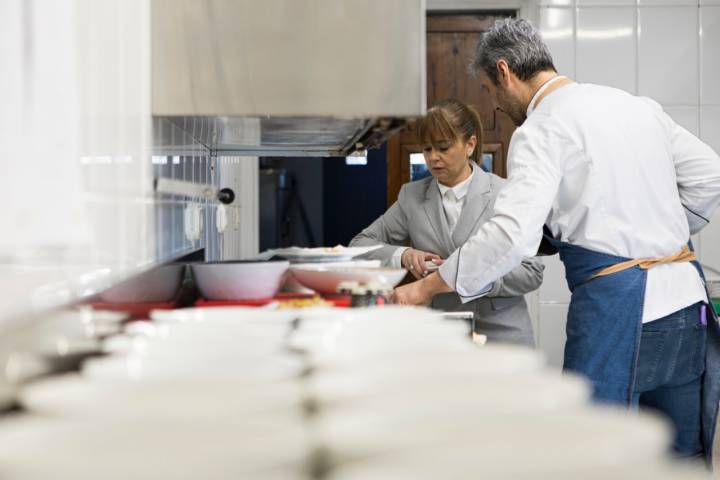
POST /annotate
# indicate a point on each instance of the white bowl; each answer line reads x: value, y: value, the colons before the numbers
x: 239, y: 280
x: 326, y: 278
x: 452, y: 444
x: 148, y: 451
x: 490, y: 360
x: 421, y: 395
x: 237, y: 368
x: 72, y: 396
x: 158, y: 285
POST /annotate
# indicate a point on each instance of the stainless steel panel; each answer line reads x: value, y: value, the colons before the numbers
x: 284, y: 136
x: 329, y: 58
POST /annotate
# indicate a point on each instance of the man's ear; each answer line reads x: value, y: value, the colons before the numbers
x: 503, y: 72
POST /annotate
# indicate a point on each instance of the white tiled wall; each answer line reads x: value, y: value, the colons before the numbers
x: 178, y: 156
x: 601, y: 30
x: 558, y: 27
x: 665, y: 49
x: 668, y: 54
x: 79, y: 152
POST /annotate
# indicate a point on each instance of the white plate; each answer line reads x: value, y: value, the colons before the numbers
x: 319, y: 254
x: 327, y: 279
x: 349, y: 264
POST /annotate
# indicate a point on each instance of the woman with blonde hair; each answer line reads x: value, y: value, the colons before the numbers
x: 434, y: 216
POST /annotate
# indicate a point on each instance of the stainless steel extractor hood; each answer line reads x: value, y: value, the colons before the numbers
x: 288, y: 77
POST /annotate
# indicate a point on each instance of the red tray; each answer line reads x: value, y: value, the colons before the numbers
x: 336, y: 300
x: 137, y: 311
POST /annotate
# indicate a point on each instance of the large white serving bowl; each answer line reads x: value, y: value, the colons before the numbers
x: 239, y: 280
x: 49, y: 448
x: 327, y: 278
x: 74, y: 397
x: 453, y: 443
x: 161, y: 284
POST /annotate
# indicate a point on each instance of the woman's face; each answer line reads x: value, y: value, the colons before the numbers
x: 447, y: 162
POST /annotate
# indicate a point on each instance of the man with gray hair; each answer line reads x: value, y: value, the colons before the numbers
x: 617, y: 187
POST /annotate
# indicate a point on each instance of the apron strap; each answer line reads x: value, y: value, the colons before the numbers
x: 684, y: 255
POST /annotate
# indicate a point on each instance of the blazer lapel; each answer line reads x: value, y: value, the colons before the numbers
x: 476, y: 203
x: 436, y: 215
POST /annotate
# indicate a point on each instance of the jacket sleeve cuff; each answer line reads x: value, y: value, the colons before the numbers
x: 396, y: 259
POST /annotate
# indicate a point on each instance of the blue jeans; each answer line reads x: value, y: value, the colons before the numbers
x: 669, y: 373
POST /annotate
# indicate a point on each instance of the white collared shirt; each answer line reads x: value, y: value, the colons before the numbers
x: 452, y: 205
x: 604, y: 170
x: 453, y: 199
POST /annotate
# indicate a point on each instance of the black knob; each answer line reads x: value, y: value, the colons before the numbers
x: 226, y: 196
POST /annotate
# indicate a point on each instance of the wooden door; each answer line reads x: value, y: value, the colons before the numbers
x: 451, y: 43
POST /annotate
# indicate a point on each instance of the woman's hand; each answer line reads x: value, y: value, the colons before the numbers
x: 414, y: 261
x: 420, y: 293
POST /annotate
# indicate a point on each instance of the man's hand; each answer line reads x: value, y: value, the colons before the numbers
x: 420, y: 292
x: 414, y: 261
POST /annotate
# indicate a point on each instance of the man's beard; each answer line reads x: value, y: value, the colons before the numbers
x: 511, y: 106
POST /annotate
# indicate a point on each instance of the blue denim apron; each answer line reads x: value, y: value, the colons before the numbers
x: 604, y: 325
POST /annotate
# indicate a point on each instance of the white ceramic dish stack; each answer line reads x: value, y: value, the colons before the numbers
x: 396, y: 392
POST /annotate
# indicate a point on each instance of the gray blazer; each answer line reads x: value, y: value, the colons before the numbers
x: 418, y: 218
